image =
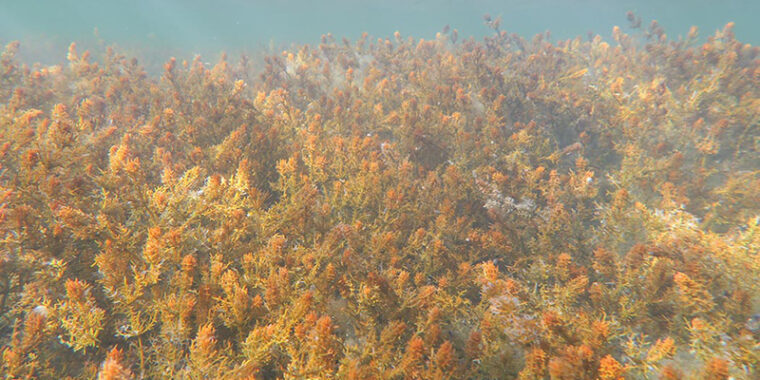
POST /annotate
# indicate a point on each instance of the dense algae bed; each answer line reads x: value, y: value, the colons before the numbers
x: 396, y: 208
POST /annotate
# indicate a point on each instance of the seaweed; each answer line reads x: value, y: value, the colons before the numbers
x: 390, y: 208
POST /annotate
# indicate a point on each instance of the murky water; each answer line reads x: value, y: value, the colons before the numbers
x: 157, y: 29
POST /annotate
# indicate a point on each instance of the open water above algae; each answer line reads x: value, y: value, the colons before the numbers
x: 156, y: 29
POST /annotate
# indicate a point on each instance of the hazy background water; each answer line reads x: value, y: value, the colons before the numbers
x: 155, y: 30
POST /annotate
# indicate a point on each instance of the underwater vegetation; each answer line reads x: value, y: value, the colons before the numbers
x: 386, y: 209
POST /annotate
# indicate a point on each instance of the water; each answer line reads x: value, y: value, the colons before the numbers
x: 155, y: 30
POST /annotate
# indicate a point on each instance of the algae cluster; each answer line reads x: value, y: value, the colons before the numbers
x: 391, y: 209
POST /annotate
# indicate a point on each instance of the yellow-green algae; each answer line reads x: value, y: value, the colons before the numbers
x: 391, y: 208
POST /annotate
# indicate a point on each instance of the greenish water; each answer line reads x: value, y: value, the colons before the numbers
x: 158, y: 29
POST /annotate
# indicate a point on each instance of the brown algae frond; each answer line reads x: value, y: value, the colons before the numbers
x: 390, y: 208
